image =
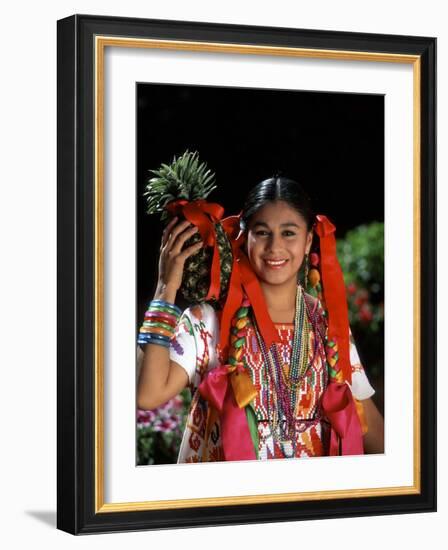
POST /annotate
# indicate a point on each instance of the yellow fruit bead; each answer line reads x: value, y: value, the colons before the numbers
x: 241, y: 323
x: 313, y: 277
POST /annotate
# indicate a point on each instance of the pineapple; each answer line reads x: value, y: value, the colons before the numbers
x: 186, y: 178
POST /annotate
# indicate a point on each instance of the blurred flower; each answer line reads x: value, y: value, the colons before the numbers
x: 145, y: 418
x: 361, y: 255
x: 351, y: 288
x: 361, y: 297
x: 159, y: 431
x: 365, y: 313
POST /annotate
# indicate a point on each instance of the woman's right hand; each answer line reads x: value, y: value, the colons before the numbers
x: 172, y: 257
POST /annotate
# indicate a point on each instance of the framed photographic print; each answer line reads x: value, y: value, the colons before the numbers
x: 147, y: 105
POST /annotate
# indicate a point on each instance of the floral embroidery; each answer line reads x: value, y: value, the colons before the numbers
x: 357, y: 368
x: 192, y: 459
x: 312, y: 430
x: 177, y: 347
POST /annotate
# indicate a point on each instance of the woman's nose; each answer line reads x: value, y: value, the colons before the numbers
x: 274, y: 242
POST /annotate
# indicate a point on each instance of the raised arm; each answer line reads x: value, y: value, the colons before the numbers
x: 160, y: 378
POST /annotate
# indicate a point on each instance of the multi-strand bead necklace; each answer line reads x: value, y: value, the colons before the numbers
x: 282, y: 381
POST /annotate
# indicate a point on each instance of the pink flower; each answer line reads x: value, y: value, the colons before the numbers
x: 365, y: 314
x: 145, y: 416
x: 351, y: 288
x: 165, y: 418
x: 361, y: 297
x: 177, y: 401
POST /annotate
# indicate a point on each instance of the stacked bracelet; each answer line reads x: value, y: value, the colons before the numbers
x: 160, y: 321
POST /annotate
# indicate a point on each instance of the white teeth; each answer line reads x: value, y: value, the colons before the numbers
x: 279, y: 262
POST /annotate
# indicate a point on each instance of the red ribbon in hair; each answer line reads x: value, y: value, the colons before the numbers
x: 340, y: 409
x: 203, y: 215
x: 337, y: 400
x: 243, y: 277
x: 334, y: 293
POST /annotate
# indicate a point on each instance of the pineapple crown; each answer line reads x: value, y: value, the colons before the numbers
x: 185, y: 178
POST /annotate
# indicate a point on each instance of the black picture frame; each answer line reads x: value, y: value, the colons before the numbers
x: 80, y: 506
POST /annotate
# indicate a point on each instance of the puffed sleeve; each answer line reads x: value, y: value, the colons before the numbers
x: 183, y: 344
x: 361, y: 387
x: 193, y: 345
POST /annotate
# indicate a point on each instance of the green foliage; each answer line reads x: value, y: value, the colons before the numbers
x: 185, y: 178
x: 188, y: 179
x: 361, y: 255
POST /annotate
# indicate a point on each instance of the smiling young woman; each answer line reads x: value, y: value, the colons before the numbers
x: 275, y: 408
x: 278, y: 239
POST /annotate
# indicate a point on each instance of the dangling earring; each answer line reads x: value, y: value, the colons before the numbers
x: 313, y: 278
x: 306, y: 271
x: 302, y: 276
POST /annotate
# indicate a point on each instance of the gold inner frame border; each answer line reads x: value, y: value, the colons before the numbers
x: 101, y: 42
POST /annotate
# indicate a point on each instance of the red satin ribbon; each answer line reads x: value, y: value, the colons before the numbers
x: 196, y: 213
x: 255, y: 294
x: 217, y: 390
x: 236, y: 437
x: 204, y: 215
x: 340, y: 409
x: 243, y: 277
x: 234, y: 296
x: 334, y: 292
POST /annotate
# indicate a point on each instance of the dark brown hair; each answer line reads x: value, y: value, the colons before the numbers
x: 277, y: 188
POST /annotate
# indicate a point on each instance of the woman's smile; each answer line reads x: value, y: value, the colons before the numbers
x: 275, y: 264
x: 277, y: 241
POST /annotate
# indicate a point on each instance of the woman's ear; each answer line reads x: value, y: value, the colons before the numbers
x: 309, y: 241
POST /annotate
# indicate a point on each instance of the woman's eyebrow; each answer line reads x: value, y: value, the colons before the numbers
x: 289, y: 223
x: 281, y: 225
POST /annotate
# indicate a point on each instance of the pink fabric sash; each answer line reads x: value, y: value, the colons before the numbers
x: 340, y: 408
x: 217, y: 390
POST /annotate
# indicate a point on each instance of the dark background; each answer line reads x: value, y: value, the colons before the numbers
x: 332, y: 143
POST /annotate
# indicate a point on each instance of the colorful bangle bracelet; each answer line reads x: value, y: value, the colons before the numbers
x: 154, y: 337
x: 158, y: 324
x: 155, y: 330
x: 161, y: 315
x: 164, y: 310
x: 148, y: 324
x: 164, y: 304
x: 149, y: 340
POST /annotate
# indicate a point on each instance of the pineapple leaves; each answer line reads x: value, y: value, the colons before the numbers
x: 185, y: 178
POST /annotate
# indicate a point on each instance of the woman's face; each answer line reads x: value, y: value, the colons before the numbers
x: 277, y: 241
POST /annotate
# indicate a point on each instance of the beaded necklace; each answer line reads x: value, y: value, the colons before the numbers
x: 286, y: 379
